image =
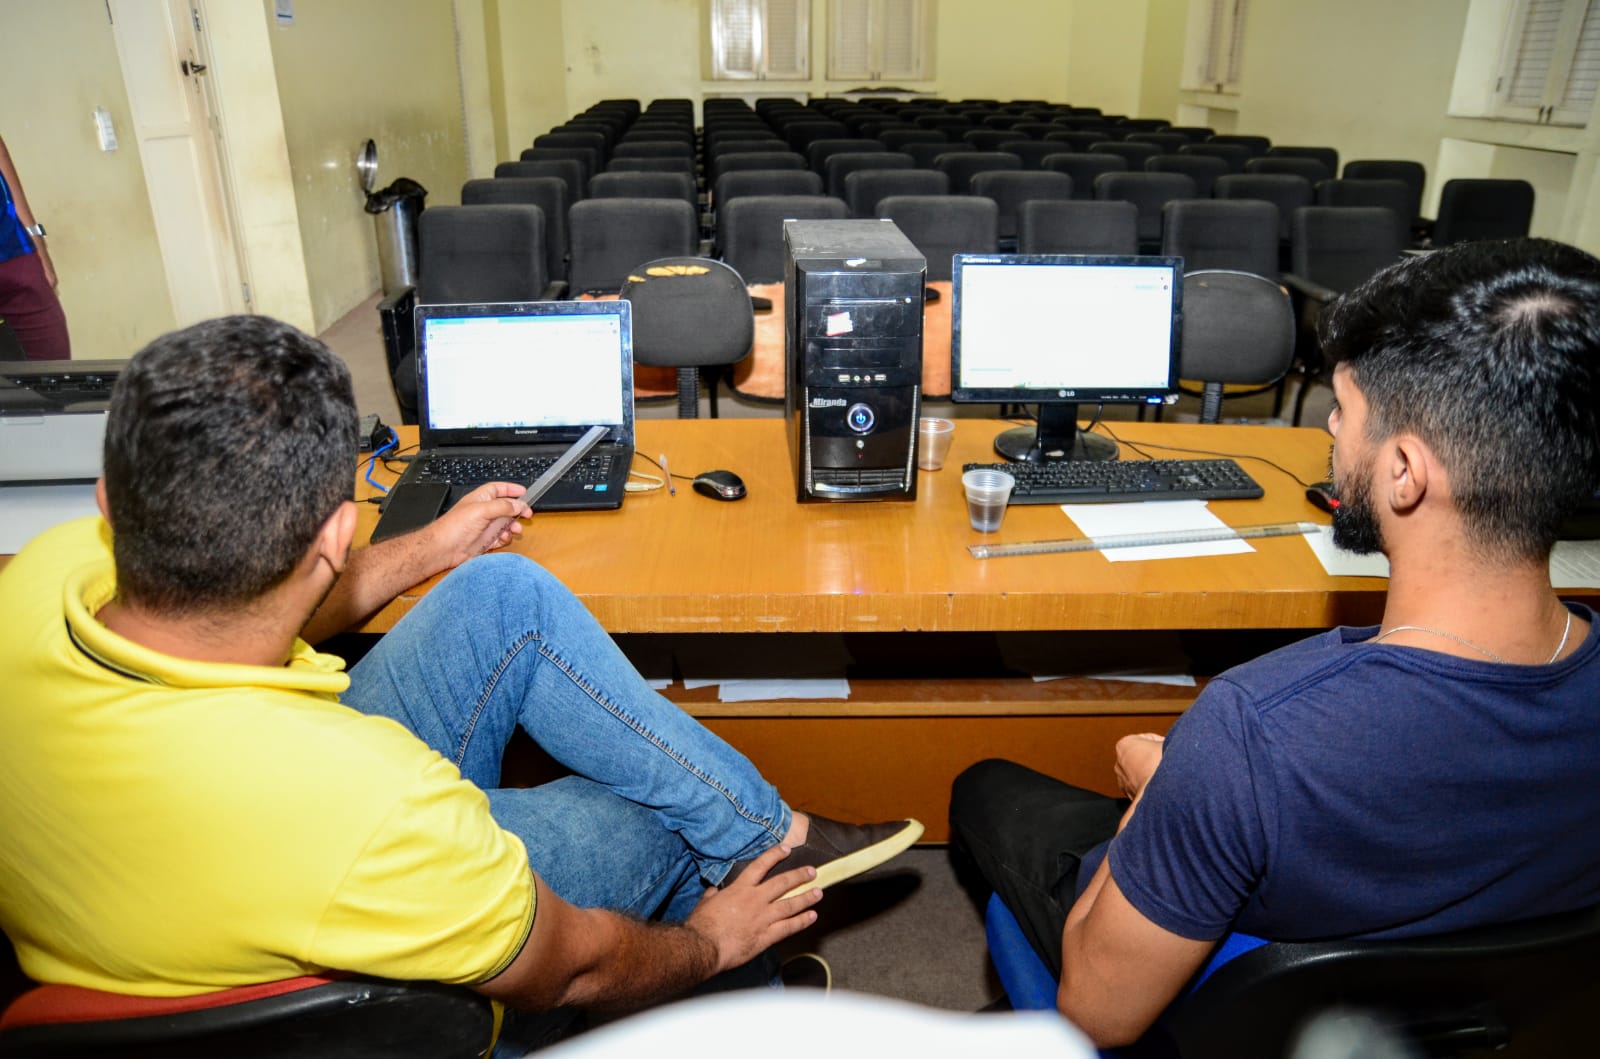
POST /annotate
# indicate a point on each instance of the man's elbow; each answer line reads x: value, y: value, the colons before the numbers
x: 1108, y: 1025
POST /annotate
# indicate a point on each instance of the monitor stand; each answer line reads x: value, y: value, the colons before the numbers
x: 1055, y: 437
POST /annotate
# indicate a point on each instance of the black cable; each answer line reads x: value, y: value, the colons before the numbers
x: 663, y: 470
x: 1205, y: 452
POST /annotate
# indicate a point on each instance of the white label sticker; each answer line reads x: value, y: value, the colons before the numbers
x: 839, y: 324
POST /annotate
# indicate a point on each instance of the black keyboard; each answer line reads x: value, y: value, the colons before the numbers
x: 472, y: 471
x: 1110, y: 481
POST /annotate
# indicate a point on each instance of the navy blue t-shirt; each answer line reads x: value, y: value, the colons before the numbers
x: 1341, y: 789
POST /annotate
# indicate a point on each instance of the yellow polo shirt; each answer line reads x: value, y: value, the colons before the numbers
x: 170, y: 827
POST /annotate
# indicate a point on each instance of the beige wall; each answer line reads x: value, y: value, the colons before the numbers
x: 60, y: 63
x: 526, y: 47
x: 300, y: 100
x: 359, y: 69
x: 1369, y: 94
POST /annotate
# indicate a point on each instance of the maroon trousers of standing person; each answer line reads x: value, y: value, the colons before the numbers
x: 29, y: 304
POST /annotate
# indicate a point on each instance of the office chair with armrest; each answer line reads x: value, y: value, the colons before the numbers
x: 1011, y: 188
x: 1287, y: 191
x: 1233, y: 154
x: 819, y: 151
x: 488, y: 253
x: 941, y: 226
x: 639, y: 184
x: 1032, y: 152
x: 691, y: 314
x: 865, y: 188
x: 1203, y: 170
x: 840, y: 166
x: 1150, y: 192
x: 611, y: 236
x: 1084, y: 169
x: 319, y: 1017
x: 654, y: 149
x: 1311, y: 168
x: 1328, y: 156
x: 547, y: 193
x: 750, y: 230
x: 1077, y: 141
x: 567, y: 170
x: 1135, y: 154
x: 740, y: 161
x: 1238, y: 330
x: 1048, y: 226
x: 1483, y: 209
x: 588, y: 158
x: 1257, y: 145
x: 895, y: 139
x: 1236, y: 234
x: 926, y: 154
x: 742, y: 183
x: 1392, y: 195
x: 1415, y: 176
x: 1335, y: 249
x: 1529, y: 987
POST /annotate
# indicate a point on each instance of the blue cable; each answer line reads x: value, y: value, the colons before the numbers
x: 373, y: 462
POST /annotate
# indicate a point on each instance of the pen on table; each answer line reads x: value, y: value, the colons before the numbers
x: 665, y: 473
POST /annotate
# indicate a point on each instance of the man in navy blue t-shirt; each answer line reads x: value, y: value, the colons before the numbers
x: 1433, y: 773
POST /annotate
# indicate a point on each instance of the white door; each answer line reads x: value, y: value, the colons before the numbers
x: 164, y: 66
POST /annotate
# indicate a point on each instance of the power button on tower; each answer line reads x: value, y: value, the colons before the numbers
x: 860, y: 417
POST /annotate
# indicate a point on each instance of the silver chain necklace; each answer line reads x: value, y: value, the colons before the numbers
x: 1565, y: 632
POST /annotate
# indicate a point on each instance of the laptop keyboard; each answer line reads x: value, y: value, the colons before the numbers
x: 1108, y: 481
x: 471, y: 471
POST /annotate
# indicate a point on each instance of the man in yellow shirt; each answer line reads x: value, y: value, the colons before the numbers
x: 192, y: 798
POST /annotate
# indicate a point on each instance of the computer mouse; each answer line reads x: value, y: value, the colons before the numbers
x: 720, y: 485
x: 1321, y: 494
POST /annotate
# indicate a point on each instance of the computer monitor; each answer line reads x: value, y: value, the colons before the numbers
x: 1058, y: 330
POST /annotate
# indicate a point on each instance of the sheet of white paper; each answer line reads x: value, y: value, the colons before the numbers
x: 1575, y: 564
x: 28, y: 510
x: 1340, y: 563
x: 762, y: 690
x: 1153, y: 516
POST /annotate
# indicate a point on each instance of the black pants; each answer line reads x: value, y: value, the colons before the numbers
x: 1027, y: 834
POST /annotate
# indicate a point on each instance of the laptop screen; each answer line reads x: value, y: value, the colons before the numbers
x: 524, y: 372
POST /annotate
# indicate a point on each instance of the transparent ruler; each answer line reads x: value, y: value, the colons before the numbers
x: 1139, y: 540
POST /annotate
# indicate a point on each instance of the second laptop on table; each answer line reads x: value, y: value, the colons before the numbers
x: 503, y: 390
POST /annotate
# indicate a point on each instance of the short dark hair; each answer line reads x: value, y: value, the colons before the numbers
x: 228, y: 445
x: 1490, y: 352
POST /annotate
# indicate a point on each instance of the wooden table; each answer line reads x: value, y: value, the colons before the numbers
x: 686, y: 565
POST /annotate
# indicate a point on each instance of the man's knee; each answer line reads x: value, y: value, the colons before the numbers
x: 981, y: 789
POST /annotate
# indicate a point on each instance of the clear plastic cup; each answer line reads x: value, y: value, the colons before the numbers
x: 987, y: 495
x: 933, y: 441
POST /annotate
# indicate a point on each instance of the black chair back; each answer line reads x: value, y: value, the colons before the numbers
x: 1050, y: 226
x: 750, y: 230
x: 1530, y: 987
x: 689, y: 313
x: 1084, y: 169
x: 547, y: 193
x: 1482, y: 209
x: 865, y: 188
x: 942, y: 226
x: 610, y: 236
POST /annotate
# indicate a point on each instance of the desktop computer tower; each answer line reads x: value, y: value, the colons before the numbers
x: 853, y: 359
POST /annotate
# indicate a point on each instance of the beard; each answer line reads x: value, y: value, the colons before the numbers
x: 1355, y: 523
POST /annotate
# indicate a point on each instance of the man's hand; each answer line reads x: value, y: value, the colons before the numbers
x: 751, y: 915
x: 1138, y: 756
x: 485, y: 519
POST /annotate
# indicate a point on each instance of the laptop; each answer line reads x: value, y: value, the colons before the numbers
x: 503, y: 390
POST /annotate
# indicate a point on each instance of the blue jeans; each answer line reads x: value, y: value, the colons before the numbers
x: 658, y: 807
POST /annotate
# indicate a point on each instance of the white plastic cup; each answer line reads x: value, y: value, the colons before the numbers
x: 987, y: 495
x: 933, y: 441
